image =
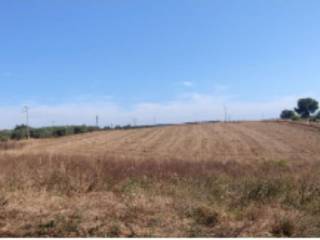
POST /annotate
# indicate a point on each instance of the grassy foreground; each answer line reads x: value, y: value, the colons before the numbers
x: 45, y: 195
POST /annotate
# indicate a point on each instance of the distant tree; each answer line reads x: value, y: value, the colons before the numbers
x: 306, y: 107
x: 318, y: 116
x: 5, y: 135
x: 79, y: 129
x: 287, y: 114
x: 20, y: 132
x: 44, y: 132
x: 60, y: 132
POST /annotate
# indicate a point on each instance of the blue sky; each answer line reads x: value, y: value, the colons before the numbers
x: 174, y: 60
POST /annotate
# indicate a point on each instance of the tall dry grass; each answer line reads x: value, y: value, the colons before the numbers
x: 8, y: 145
x: 59, y: 195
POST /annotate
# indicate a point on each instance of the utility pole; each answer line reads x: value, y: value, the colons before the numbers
x: 26, y: 111
x: 225, y: 113
x: 97, y: 121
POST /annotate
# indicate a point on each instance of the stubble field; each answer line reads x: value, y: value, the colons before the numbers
x: 243, y: 142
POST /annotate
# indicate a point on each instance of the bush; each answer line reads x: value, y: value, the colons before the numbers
x: 5, y: 135
x: 60, y: 132
x: 41, y: 133
x: 20, y: 132
x: 79, y: 129
x: 287, y: 114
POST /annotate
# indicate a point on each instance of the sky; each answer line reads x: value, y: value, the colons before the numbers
x: 155, y: 61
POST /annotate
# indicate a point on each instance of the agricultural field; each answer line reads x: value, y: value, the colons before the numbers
x: 243, y: 142
x: 214, y: 179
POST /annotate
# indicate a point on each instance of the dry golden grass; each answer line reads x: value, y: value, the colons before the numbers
x: 47, y: 191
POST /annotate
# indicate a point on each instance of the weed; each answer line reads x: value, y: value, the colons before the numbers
x: 3, y: 201
x: 195, y: 231
x: 49, y: 224
x: 259, y: 190
x: 205, y: 216
x: 283, y: 228
x: 114, y: 231
x: 185, y: 195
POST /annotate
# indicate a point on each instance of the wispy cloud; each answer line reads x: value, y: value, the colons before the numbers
x: 188, y: 107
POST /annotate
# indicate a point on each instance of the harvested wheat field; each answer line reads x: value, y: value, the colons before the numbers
x: 243, y: 141
x: 217, y: 180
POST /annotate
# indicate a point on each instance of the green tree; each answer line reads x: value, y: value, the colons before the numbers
x: 20, y: 132
x: 79, y: 129
x: 59, y: 132
x: 41, y: 133
x: 306, y: 107
x: 287, y: 114
x: 5, y: 135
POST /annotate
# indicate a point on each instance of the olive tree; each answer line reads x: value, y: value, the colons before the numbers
x: 306, y: 107
x: 287, y: 114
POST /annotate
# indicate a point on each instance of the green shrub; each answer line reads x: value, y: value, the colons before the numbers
x: 19, y: 132
x: 287, y: 114
x: 59, y: 132
x: 41, y: 133
x: 5, y: 136
x: 79, y: 129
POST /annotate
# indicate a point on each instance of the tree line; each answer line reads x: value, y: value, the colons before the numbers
x: 23, y: 131
x: 307, y: 109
